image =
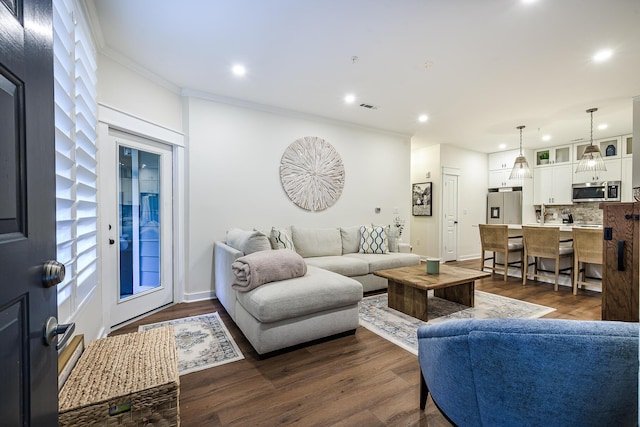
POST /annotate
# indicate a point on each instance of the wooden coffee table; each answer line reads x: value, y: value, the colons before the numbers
x: 408, y: 287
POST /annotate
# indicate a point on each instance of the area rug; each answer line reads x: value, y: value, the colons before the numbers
x: 400, y: 328
x: 203, y: 342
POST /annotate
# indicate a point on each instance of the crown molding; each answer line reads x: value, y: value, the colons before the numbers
x: 191, y: 93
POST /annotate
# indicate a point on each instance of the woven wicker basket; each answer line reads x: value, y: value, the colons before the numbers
x: 124, y: 380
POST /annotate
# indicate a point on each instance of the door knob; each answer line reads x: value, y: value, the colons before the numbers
x: 52, y: 273
x: 53, y: 329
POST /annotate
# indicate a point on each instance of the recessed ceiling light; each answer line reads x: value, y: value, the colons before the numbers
x: 546, y: 137
x: 603, y: 126
x: 350, y: 98
x: 239, y: 70
x: 502, y: 146
x: 423, y: 118
x: 603, y: 55
x: 529, y: 1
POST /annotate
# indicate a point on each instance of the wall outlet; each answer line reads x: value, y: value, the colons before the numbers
x: 418, y: 242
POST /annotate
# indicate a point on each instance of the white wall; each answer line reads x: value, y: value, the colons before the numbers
x: 233, y: 178
x: 425, y: 230
x: 426, y: 234
x: 128, y: 91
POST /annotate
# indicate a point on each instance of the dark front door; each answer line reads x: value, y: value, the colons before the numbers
x: 28, y: 367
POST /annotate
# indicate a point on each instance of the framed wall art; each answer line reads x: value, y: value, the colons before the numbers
x: 421, y: 199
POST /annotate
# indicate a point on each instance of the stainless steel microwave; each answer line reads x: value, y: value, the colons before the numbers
x: 608, y: 191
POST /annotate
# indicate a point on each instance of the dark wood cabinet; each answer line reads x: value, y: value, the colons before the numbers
x: 620, y: 262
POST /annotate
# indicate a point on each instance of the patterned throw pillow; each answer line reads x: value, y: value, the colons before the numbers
x: 373, y: 240
x: 281, y: 239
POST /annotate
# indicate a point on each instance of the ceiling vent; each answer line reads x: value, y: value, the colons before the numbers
x: 370, y: 107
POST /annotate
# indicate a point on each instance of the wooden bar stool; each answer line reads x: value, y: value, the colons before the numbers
x: 544, y: 242
x: 495, y: 238
x: 587, y: 249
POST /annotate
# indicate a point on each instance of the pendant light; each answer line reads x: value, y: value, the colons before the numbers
x: 591, y: 159
x: 520, y: 166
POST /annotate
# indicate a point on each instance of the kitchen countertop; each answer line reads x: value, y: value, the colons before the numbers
x: 563, y: 227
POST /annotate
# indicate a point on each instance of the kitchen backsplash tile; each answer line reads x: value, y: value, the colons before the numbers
x: 583, y: 213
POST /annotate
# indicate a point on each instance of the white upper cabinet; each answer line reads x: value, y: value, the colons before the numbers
x: 610, y: 148
x: 613, y: 173
x: 552, y: 156
x: 626, y: 192
x: 500, y: 166
x: 627, y: 148
x: 627, y: 169
x: 552, y: 185
x: 500, y: 178
x: 502, y: 159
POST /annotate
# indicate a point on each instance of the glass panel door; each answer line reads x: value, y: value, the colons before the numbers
x: 139, y: 221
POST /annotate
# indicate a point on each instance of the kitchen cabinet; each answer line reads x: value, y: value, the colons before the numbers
x: 626, y: 194
x: 552, y: 184
x: 610, y: 148
x: 500, y: 178
x: 613, y: 173
x: 546, y: 157
x: 627, y: 169
x: 503, y: 160
x: 500, y: 166
x: 627, y: 146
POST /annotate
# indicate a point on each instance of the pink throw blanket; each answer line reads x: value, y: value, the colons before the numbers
x: 263, y: 267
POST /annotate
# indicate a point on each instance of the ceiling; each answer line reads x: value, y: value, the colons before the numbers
x: 477, y: 68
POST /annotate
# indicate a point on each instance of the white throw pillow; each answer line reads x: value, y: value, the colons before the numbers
x: 247, y: 242
x: 350, y: 239
x: 312, y: 242
x: 280, y: 239
x: 373, y: 240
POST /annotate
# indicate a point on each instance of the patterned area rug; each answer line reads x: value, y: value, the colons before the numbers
x: 203, y: 342
x: 400, y: 328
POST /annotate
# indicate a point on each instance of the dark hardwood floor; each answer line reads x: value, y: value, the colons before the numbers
x: 357, y: 380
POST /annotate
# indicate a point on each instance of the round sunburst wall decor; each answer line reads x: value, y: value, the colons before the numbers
x: 312, y: 173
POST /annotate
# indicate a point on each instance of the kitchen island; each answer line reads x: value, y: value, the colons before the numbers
x: 593, y: 271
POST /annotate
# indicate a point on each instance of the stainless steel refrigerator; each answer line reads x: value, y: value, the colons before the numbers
x: 504, y: 207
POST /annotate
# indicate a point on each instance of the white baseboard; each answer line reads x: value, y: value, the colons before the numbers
x: 198, y: 296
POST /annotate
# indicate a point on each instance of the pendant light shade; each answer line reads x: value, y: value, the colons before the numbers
x: 520, y: 166
x: 591, y: 160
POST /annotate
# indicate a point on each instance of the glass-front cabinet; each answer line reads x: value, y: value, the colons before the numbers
x: 627, y: 146
x: 610, y: 148
x: 552, y: 155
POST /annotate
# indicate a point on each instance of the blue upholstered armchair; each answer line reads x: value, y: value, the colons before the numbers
x: 531, y: 372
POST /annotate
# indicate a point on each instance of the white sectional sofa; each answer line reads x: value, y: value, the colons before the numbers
x: 322, y: 303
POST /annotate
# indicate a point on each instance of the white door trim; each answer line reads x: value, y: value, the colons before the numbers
x: 116, y: 119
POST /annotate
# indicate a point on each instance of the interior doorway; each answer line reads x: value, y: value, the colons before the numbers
x: 139, y: 261
x: 450, y: 215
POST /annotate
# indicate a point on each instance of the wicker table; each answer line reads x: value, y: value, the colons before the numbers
x: 408, y: 287
x: 124, y: 380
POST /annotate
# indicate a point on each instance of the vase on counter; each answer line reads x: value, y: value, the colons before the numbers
x: 393, y: 239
